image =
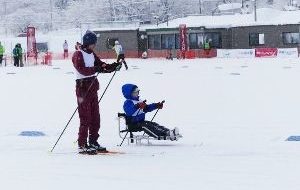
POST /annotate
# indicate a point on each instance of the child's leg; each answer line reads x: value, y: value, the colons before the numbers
x: 154, y: 129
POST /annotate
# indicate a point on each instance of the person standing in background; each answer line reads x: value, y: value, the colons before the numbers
x: 120, y: 53
x: 20, y: 53
x: 66, y: 49
x: 207, y: 47
x: 2, y: 51
x: 16, y: 56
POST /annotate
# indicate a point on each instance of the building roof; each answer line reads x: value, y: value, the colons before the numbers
x: 265, y: 16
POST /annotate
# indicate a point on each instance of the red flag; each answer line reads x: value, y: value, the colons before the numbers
x: 31, y: 42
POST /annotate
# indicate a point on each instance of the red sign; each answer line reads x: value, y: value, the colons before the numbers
x: 31, y: 42
x: 183, y: 39
x: 266, y: 52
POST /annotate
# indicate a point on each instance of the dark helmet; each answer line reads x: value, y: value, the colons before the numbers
x: 89, y: 38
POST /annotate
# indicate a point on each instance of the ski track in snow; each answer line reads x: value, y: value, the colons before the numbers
x: 234, y: 114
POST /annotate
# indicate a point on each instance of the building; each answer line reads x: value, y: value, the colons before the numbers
x: 274, y: 29
x: 132, y: 39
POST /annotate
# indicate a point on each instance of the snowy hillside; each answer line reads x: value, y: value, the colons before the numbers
x: 64, y: 14
x: 235, y: 115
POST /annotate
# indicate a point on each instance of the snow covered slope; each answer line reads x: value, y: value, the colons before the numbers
x: 235, y: 115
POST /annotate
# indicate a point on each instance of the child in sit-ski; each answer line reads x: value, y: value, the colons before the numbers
x: 136, y: 109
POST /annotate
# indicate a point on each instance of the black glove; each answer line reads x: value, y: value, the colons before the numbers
x: 160, y: 105
x: 117, y: 66
x: 99, y: 69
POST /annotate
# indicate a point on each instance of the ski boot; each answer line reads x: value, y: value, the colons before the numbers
x: 86, y: 149
x: 97, y: 147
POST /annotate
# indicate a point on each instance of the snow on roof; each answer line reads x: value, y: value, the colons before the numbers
x: 229, y: 6
x: 265, y: 16
x: 114, y: 29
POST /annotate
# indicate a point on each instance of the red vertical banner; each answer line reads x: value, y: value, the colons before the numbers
x: 183, y: 40
x: 31, y: 42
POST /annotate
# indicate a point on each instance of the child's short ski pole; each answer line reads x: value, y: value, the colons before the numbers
x: 157, y: 111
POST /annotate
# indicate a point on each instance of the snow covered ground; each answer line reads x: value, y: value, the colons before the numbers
x: 235, y: 115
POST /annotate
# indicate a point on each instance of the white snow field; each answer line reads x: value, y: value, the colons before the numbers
x: 235, y: 115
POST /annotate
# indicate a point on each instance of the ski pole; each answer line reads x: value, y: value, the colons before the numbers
x: 78, y: 107
x: 124, y: 139
x: 157, y: 112
x: 107, y: 86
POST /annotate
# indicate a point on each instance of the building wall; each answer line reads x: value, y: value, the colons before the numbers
x: 128, y: 39
x: 135, y: 42
x: 273, y: 36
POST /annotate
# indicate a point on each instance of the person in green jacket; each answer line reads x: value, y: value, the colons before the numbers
x: 207, y: 46
x: 18, y: 54
x: 2, y: 51
x: 20, y: 51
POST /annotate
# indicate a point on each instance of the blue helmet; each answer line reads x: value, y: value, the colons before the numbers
x: 89, y: 38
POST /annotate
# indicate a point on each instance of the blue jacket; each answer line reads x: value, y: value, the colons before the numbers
x: 131, y: 110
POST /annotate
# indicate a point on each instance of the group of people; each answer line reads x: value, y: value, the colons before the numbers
x: 17, y: 55
x: 87, y: 66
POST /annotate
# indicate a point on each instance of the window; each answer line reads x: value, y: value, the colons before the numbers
x: 154, y: 42
x: 200, y: 40
x: 291, y: 38
x: 168, y: 41
x: 193, y: 41
x: 214, y: 38
x: 256, y: 39
x: 177, y: 41
x: 197, y: 40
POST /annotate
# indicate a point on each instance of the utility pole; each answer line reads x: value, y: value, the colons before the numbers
x: 112, y: 10
x: 51, y: 16
x: 150, y: 14
x: 255, y: 10
x: 200, y: 7
x: 5, y: 13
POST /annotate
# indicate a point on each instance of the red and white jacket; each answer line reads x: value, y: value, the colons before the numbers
x: 85, y: 64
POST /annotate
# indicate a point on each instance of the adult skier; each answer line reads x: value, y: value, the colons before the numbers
x: 87, y: 64
x: 136, y: 109
x: 120, y: 53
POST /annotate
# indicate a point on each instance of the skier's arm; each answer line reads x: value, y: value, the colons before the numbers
x: 150, y: 108
x: 130, y: 108
x: 98, y: 62
x: 78, y: 63
x: 103, y: 67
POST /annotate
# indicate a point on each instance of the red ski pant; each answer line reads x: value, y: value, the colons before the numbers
x: 88, y: 109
